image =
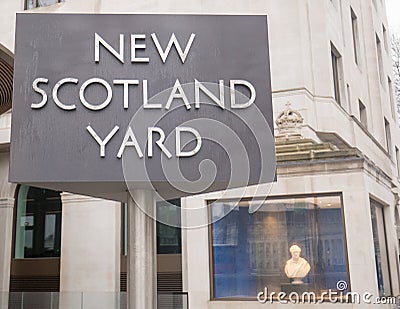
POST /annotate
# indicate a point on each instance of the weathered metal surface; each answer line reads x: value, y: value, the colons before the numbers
x: 81, y: 64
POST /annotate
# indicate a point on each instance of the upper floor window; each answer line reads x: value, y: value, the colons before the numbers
x: 337, y: 73
x: 31, y: 4
x: 356, y: 40
x: 38, y: 223
x: 397, y: 161
x: 388, y: 136
x: 380, y: 60
x: 363, y: 114
x: 385, y: 39
x: 391, y: 100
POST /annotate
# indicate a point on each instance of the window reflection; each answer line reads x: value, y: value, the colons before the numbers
x: 169, y: 237
x: 380, y: 248
x: 250, y: 250
x: 38, y: 225
x: 31, y: 4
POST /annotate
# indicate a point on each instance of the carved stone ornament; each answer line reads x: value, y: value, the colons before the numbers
x: 289, y: 123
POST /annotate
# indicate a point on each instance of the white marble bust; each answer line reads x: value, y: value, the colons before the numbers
x: 296, y: 268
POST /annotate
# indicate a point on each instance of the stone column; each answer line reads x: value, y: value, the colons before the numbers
x: 142, y: 251
x: 90, y: 253
x: 6, y: 224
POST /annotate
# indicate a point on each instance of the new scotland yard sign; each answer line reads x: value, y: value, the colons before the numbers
x: 178, y: 103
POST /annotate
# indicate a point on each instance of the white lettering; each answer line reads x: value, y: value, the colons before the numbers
x: 126, y: 83
x: 191, y: 153
x: 40, y: 91
x: 99, y: 40
x: 55, y: 93
x: 129, y: 140
x: 199, y: 86
x: 146, y: 104
x: 159, y: 142
x: 135, y: 46
x: 104, y: 142
x: 180, y: 95
x: 86, y: 103
x: 235, y: 82
x: 173, y: 41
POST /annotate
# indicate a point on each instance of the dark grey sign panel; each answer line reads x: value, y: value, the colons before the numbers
x: 178, y: 103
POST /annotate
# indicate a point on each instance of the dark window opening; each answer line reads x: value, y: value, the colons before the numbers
x: 363, y: 114
x: 169, y: 240
x: 31, y: 4
x: 336, y: 71
x: 38, y: 223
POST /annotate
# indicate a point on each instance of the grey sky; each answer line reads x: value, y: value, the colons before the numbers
x: 393, y: 14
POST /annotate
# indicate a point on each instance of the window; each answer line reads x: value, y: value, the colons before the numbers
x: 250, y: 251
x: 168, y: 237
x: 336, y: 71
x: 380, y: 61
x: 363, y: 114
x: 397, y: 161
x: 380, y: 248
x: 348, y: 97
x: 385, y: 41
x: 31, y: 4
x: 388, y: 136
x: 391, y: 101
x: 38, y: 223
x: 356, y: 41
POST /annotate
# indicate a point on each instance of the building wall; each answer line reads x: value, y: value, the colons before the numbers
x: 301, y: 33
x: 356, y: 187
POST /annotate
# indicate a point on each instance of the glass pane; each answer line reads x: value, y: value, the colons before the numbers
x: 30, y: 4
x: 169, y: 237
x: 125, y: 229
x: 380, y: 247
x: 46, y: 2
x: 50, y: 232
x: 21, y: 233
x: 28, y: 222
x: 288, y: 244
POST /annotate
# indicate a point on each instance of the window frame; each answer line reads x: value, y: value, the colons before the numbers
x: 276, y: 197
x: 385, y: 38
x: 381, y: 207
x: 125, y: 227
x: 337, y: 74
x: 355, y: 36
x: 35, y: 4
x: 379, y: 55
x: 362, y: 109
x: 388, y: 136
x: 397, y: 154
x: 391, y: 98
x: 14, y: 230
